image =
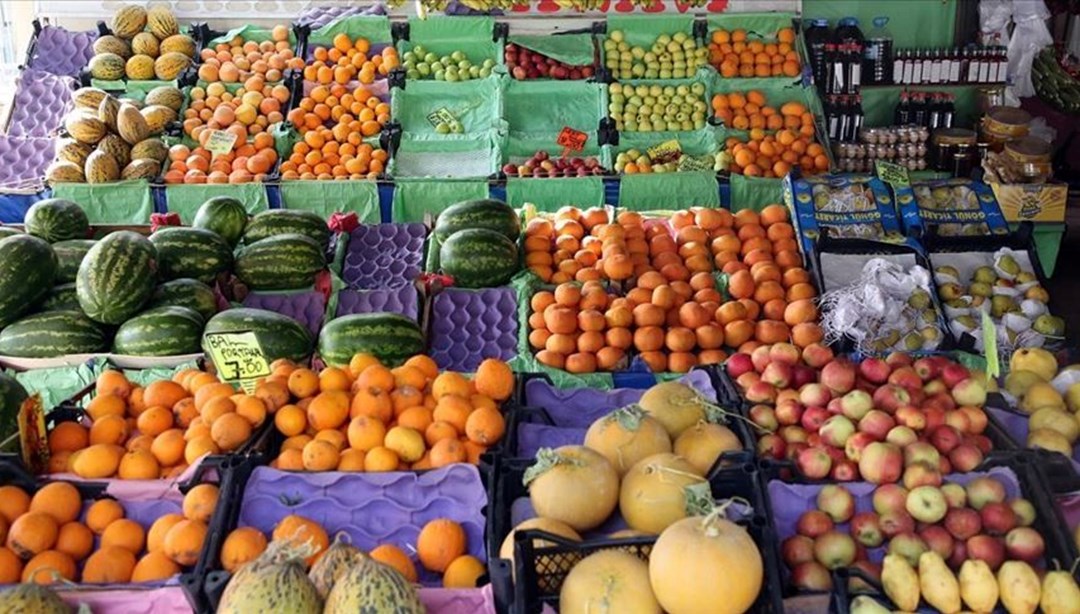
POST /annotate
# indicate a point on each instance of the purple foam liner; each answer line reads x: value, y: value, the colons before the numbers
x: 319, y: 16
x: 23, y: 160
x: 533, y: 436
x: 384, y: 255
x: 1070, y: 509
x: 308, y: 308
x: 41, y: 99
x: 403, y: 300
x: 372, y: 508
x: 1016, y: 425
x: 163, y: 600
x: 458, y: 600
x: 790, y: 501
x: 62, y: 52
x: 468, y: 326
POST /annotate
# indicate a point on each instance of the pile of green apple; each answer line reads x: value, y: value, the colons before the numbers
x: 657, y: 108
x: 645, y: 164
x: 422, y: 64
x: 1053, y: 410
x: 1012, y: 296
x: 674, y: 56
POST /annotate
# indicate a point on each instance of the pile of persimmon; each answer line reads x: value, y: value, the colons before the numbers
x: 774, y: 155
x: 139, y: 433
x: 348, y: 60
x: 249, y: 110
x: 368, y: 417
x: 734, y: 54
x: 334, y: 122
x: 237, y: 60
x: 247, y: 162
x: 441, y: 547
x: 567, y: 245
x: 744, y: 111
x: 771, y: 294
x: 50, y: 539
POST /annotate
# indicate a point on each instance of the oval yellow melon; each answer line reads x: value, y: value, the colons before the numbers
x: 608, y: 582
x: 573, y: 484
x: 704, y: 442
x: 676, y: 405
x: 654, y: 492
x: 626, y: 436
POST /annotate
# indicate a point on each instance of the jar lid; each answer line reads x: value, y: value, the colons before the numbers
x: 954, y: 136
x: 1009, y: 115
x: 1029, y: 147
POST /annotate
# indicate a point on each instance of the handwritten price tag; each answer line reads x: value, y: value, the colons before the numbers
x: 892, y: 174
x: 238, y: 357
x: 571, y: 140
x: 665, y: 152
x: 441, y: 116
x: 220, y: 142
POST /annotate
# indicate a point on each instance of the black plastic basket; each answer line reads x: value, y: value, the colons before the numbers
x: 1060, y: 472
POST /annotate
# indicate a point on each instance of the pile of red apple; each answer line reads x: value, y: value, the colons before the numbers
x: 976, y: 521
x: 845, y: 421
x: 542, y: 164
x: 526, y: 64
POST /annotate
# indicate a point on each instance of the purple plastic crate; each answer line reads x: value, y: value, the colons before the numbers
x: 23, y: 160
x: 319, y: 16
x: 62, y: 52
x: 41, y: 100
x: 383, y: 256
x: 308, y: 308
x: 458, y: 600
x: 162, y: 600
x: 403, y: 300
x: 468, y: 326
x: 373, y: 508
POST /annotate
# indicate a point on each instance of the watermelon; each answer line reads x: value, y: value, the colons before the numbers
x: 485, y: 213
x: 279, y: 335
x: 27, y: 272
x: 479, y: 258
x: 8, y: 231
x: 69, y: 255
x: 62, y: 298
x: 287, y: 221
x: 189, y: 293
x: 191, y: 252
x: 280, y: 262
x: 223, y: 215
x: 12, y: 395
x: 391, y: 337
x: 56, y: 219
x: 162, y: 331
x: 52, y: 333
x: 116, y: 277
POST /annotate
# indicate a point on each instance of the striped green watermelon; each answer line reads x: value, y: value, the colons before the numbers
x: 486, y: 213
x: 52, y: 333
x: 162, y: 331
x: 8, y: 231
x: 280, y: 262
x: 223, y: 215
x: 12, y: 395
x: 189, y: 293
x: 27, y: 272
x: 287, y: 221
x: 479, y: 258
x: 191, y: 253
x: 391, y: 337
x: 62, y: 298
x: 56, y: 219
x: 279, y: 335
x: 117, y: 277
x: 69, y: 255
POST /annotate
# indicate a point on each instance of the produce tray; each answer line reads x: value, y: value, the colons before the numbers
x: 467, y: 326
x: 538, y: 583
x: 384, y: 255
x: 403, y: 300
x: 59, y: 51
x: 306, y: 307
x: 41, y: 100
x: 1062, y: 473
x: 23, y: 161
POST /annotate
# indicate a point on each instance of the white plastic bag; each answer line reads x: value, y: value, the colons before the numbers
x: 1029, y: 37
x: 994, y: 18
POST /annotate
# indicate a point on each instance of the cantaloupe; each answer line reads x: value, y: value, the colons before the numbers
x: 704, y: 442
x: 573, y: 484
x: 550, y: 525
x: 626, y: 436
x: 608, y: 582
x: 659, y: 490
x: 676, y: 406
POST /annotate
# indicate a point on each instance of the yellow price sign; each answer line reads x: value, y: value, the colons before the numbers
x: 220, y: 142
x: 237, y: 356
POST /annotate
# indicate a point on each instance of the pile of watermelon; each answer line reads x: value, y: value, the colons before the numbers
x: 477, y: 242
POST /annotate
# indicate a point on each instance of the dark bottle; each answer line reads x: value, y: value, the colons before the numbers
x: 878, y: 54
x: 948, y: 111
x: 934, y: 115
x: 918, y: 109
x: 817, y: 36
x: 916, y: 69
x: 853, y: 65
x: 1003, y: 65
x: 850, y: 41
x: 898, y: 66
x: 972, y: 65
x: 927, y: 65
x: 902, y: 115
x: 836, y: 70
x: 985, y: 64
x: 956, y: 66
x: 935, y: 68
x: 946, y: 65
x: 832, y: 118
x: 856, y: 117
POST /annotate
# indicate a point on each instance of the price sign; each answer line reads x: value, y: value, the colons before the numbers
x: 33, y: 439
x: 667, y: 151
x: 892, y: 174
x: 990, y: 349
x: 571, y: 140
x: 238, y: 357
x: 220, y: 142
x: 441, y: 116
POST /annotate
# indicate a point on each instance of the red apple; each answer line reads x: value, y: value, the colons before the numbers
x: 838, y: 376
x: 927, y: 368
x: 907, y: 378
x: 955, y: 495
x: 958, y: 420
x: 835, y: 406
x: 771, y: 445
x: 934, y: 386
x: 926, y: 504
x: 837, y: 502
x: 877, y: 423
x: 789, y: 413
x: 814, y: 394
x: 938, y: 539
x: 1024, y: 544
x: 761, y: 392
x: 844, y: 471
x: 855, y: 445
x: 901, y: 436
x: 970, y: 392
x: 764, y: 417
x: 784, y: 353
x: 896, y: 523
x: 836, y: 430
x: 874, y: 370
x: 811, y: 576
x: 982, y: 442
x: 965, y: 457
x: 953, y: 374
x: 856, y: 404
x: 760, y: 357
x: 814, y: 463
x: 1024, y: 510
x: 908, y: 545
x: 797, y: 549
x: 921, y: 451
x: 778, y: 374
x: 939, y: 400
x: 986, y: 548
x: 891, y: 397
x: 793, y: 449
x: 998, y: 518
x: 866, y: 530
x: 889, y: 498
x: 898, y: 359
x: 834, y: 549
x: 983, y: 490
x: 747, y: 379
x: 935, y: 417
x: 817, y: 355
x: 814, y: 417
x: 802, y: 375
x: 793, y: 434
x: 881, y: 463
x: 737, y: 364
x: 911, y: 417
x: 814, y: 523
x: 945, y: 438
x: 963, y: 523
x: 958, y: 556
x: 921, y: 474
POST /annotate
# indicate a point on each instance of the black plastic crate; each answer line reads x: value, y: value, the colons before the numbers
x: 539, y: 581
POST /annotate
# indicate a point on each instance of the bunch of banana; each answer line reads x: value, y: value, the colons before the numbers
x: 646, y: 3
x: 580, y: 5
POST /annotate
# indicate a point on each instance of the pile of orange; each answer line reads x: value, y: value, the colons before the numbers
x: 251, y: 109
x: 440, y: 547
x: 238, y: 60
x: 735, y: 55
x: 748, y: 111
x: 347, y: 60
x: 140, y: 433
x: 334, y: 122
x: 247, y: 162
x: 368, y: 417
x: 49, y: 539
x: 774, y: 155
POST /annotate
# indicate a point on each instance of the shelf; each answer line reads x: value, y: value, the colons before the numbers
x: 929, y: 86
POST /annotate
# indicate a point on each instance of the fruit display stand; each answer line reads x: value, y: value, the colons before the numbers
x: 653, y: 192
x: 59, y: 51
x: 119, y: 202
x: 377, y: 266
x: 415, y: 199
x: 453, y: 156
x: 185, y: 199
x: 41, y: 99
x: 568, y: 49
x: 479, y: 38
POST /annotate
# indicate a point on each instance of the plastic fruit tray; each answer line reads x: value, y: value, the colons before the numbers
x: 62, y: 52
x: 23, y: 160
x: 161, y: 600
x: 468, y: 326
x: 319, y: 16
x: 403, y: 300
x: 41, y: 100
x: 384, y: 255
x: 308, y: 308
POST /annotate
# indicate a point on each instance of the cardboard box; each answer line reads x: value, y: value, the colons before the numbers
x: 958, y: 207
x: 1035, y: 202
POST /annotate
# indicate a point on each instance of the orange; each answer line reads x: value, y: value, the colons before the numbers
x: 68, y: 436
x: 440, y: 542
x: 60, y: 500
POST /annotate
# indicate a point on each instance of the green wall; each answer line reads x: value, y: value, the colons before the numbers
x: 913, y: 23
